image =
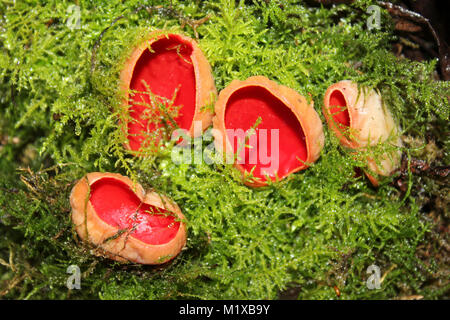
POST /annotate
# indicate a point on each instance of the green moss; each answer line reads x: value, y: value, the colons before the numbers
x: 317, y: 229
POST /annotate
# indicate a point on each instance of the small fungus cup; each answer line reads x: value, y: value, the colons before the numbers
x: 124, y: 222
x: 266, y: 130
x: 361, y: 121
x: 166, y: 81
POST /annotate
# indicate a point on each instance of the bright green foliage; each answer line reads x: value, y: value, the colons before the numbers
x: 315, y: 230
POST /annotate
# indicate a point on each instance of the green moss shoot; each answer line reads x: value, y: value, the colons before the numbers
x: 320, y: 228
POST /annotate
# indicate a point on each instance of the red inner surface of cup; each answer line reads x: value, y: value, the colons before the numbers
x: 117, y: 205
x: 243, y: 108
x: 167, y: 71
x: 338, y: 109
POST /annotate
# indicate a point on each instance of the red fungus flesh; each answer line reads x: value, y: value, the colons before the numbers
x: 167, y: 71
x: 338, y: 109
x: 117, y: 205
x: 243, y: 109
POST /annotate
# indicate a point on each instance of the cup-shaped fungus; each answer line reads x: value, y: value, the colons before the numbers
x: 166, y: 81
x: 361, y: 121
x: 265, y: 129
x: 124, y: 222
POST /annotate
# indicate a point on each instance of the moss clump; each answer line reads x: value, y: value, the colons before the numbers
x: 317, y: 229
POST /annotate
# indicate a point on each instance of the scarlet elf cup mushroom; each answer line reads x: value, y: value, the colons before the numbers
x: 166, y: 69
x: 270, y: 130
x: 360, y: 120
x: 125, y: 222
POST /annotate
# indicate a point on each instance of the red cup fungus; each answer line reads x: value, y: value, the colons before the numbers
x: 270, y: 130
x: 360, y: 120
x: 171, y: 70
x: 124, y: 222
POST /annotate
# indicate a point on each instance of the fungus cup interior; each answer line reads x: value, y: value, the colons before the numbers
x: 116, y: 204
x: 167, y: 71
x: 338, y: 109
x: 272, y: 156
